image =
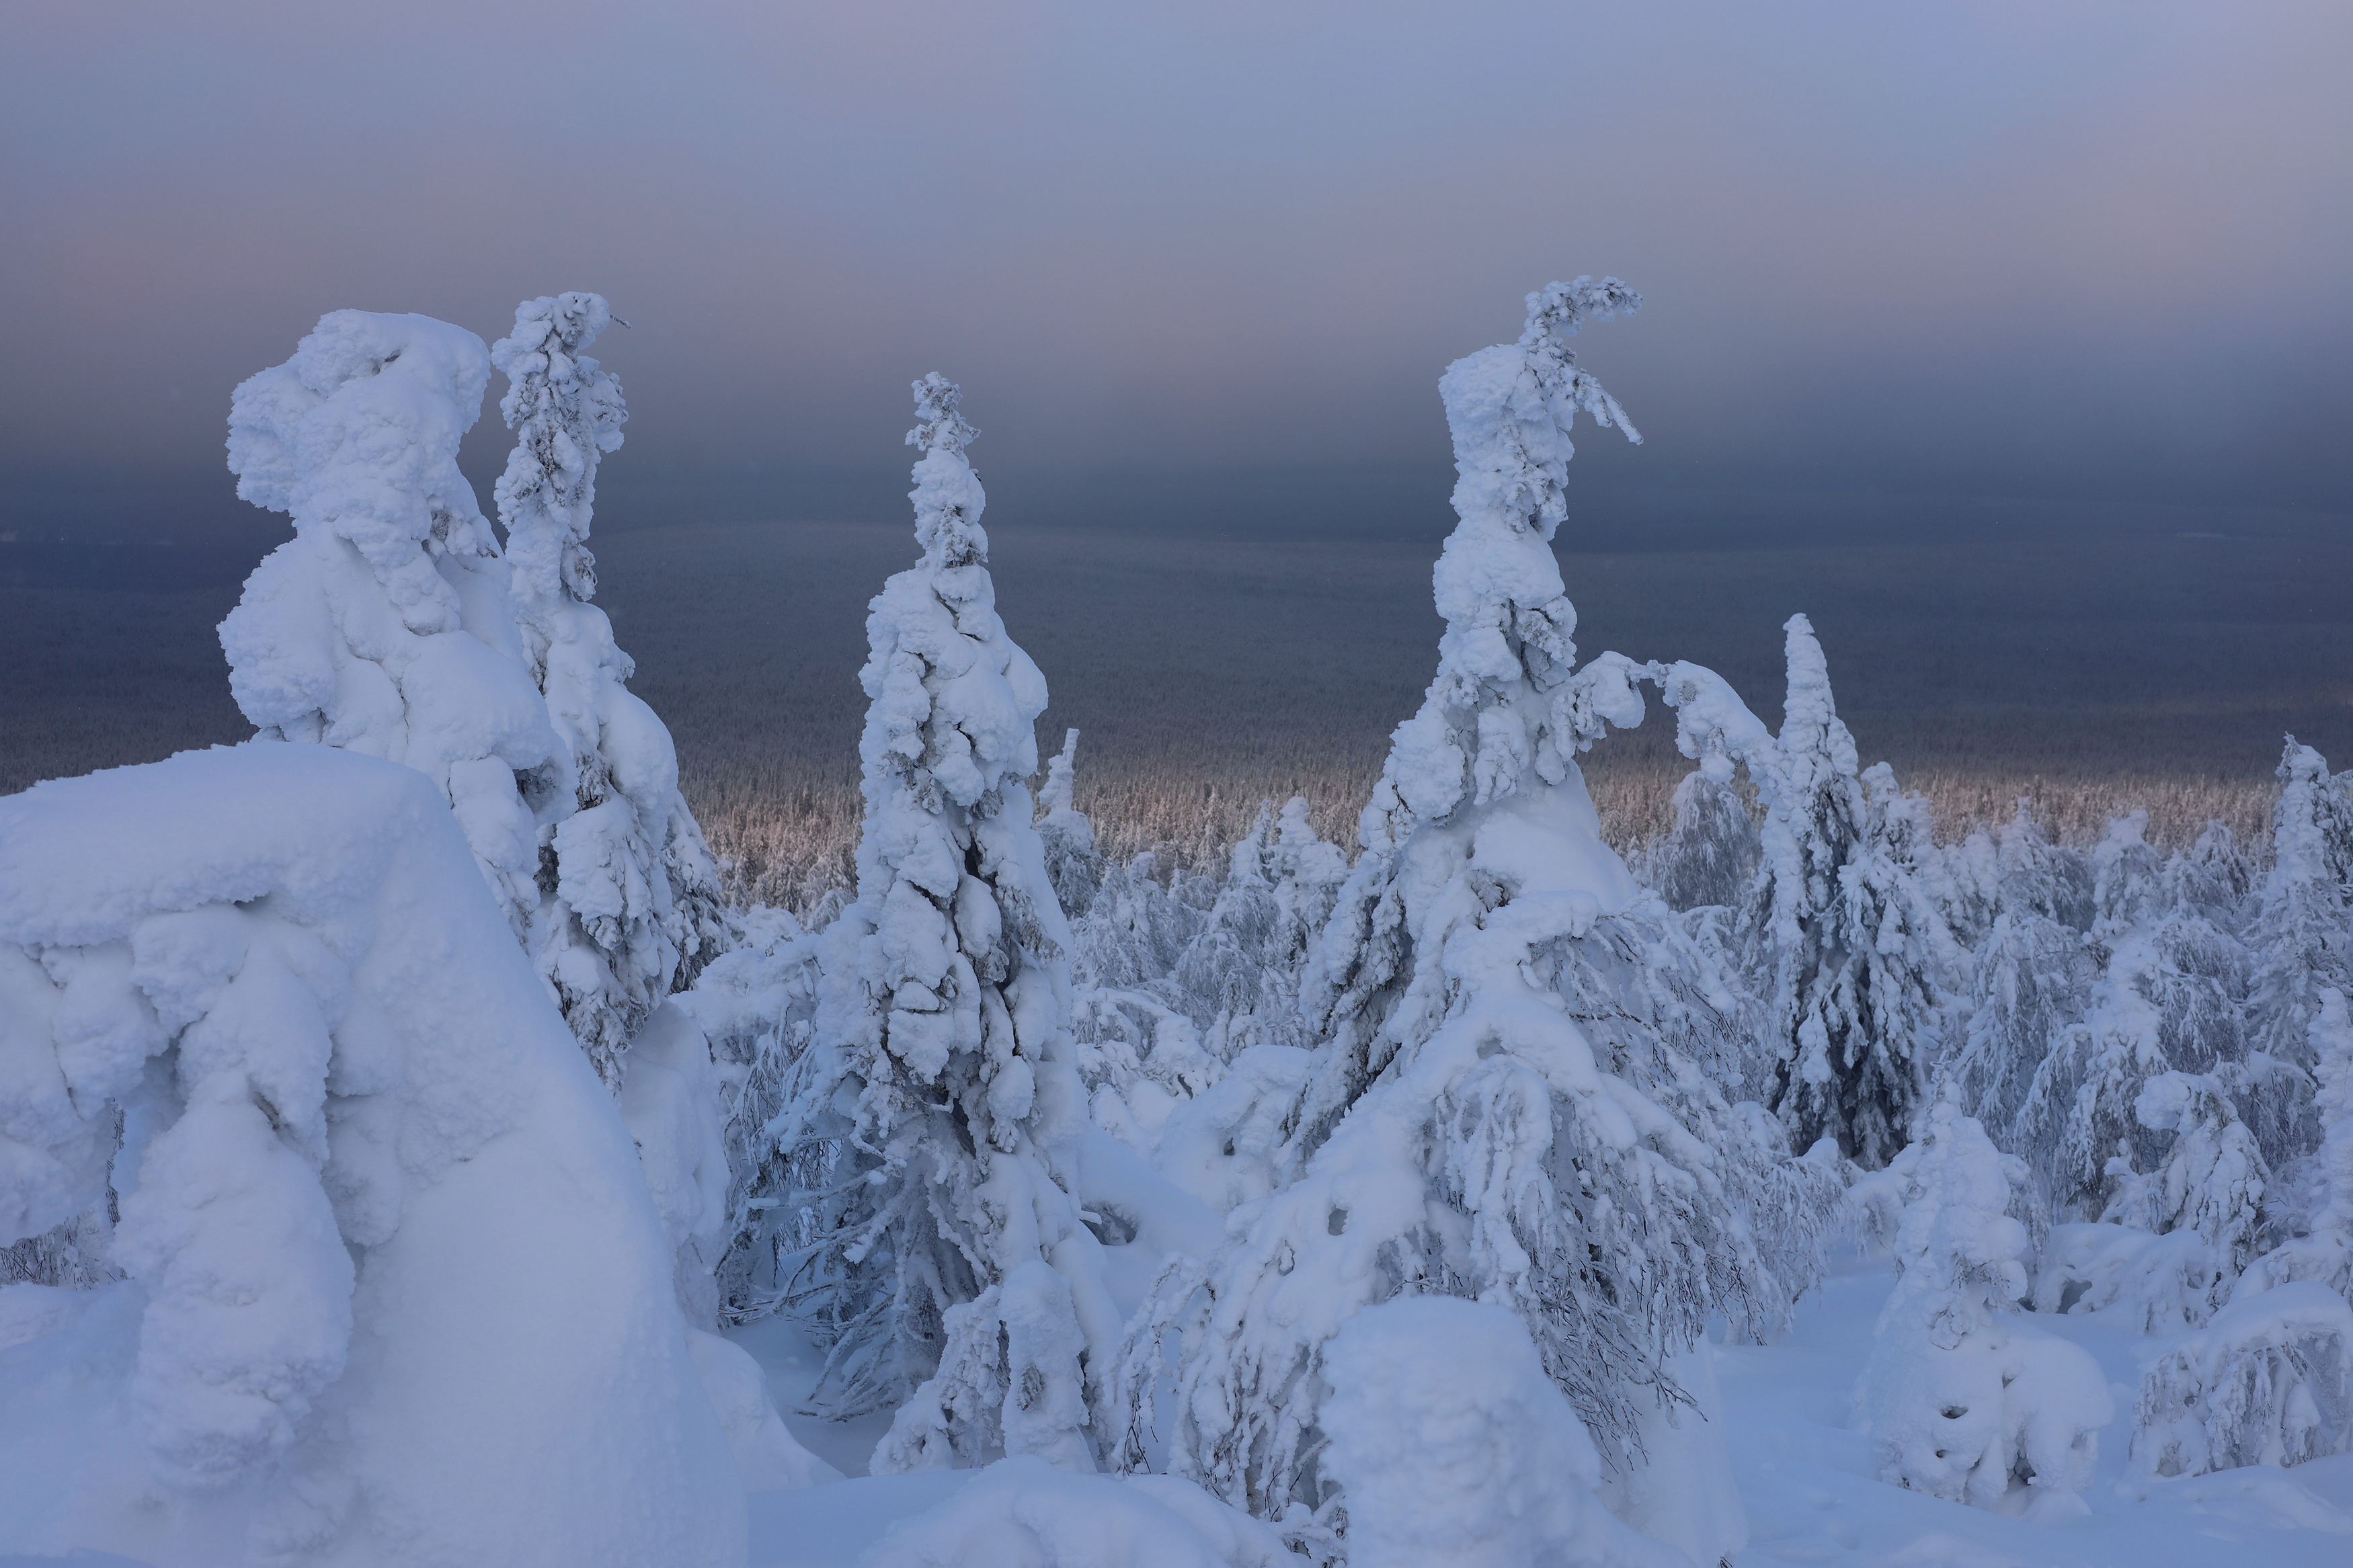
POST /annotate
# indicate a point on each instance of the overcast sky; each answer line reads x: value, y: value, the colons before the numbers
x: 1988, y: 246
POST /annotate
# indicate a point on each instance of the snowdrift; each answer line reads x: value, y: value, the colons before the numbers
x: 396, y: 1290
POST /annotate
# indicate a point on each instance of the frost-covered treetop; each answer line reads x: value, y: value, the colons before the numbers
x: 947, y: 494
x: 358, y: 434
x: 1503, y: 701
x: 565, y: 411
x: 1816, y: 747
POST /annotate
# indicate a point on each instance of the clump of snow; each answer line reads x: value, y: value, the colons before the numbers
x: 397, y: 1292
x: 1451, y: 1449
x: 1961, y: 1398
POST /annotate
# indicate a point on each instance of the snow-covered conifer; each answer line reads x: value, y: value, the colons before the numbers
x: 627, y: 906
x: 2303, y: 935
x: 931, y: 1123
x: 2268, y: 1382
x: 1847, y: 908
x: 2324, y: 1251
x: 2167, y: 1001
x: 1515, y: 1101
x: 1960, y: 1398
x: 385, y: 626
x: 1073, y: 864
x: 1707, y: 857
x: 2211, y: 1180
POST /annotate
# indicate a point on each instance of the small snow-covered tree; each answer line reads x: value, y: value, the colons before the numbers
x: 1851, y: 930
x: 2303, y: 934
x: 2212, y: 1179
x: 2323, y: 1252
x: 628, y: 904
x: 2268, y: 1382
x: 2167, y: 1001
x: 1514, y: 1099
x: 1239, y: 979
x: 931, y: 1123
x: 1073, y: 864
x: 1960, y: 1398
x: 385, y: 625
x: 1708, y: 856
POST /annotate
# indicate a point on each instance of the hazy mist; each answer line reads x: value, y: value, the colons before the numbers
x: 2092, y: 250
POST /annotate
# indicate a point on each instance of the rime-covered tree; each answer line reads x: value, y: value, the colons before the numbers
x: 931, y: 1123
x: 1706, y: 858
x: 1851, y: 935
x: 2167, y: 1001
x: 1515, y: 1101
x: 1962, y: 1399
x: 2210, y: 1179
x: 385, y: 625
x: 2029, y: 982
x: 627, y: 906
x: 2303, y: 935
x: 2323, y: 1252
x: 1073, y: 864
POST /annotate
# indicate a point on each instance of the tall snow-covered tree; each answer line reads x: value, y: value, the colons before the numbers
x: 933, y: 1122
x: 1515, y: 1101
x: 627, y: 903
x: 1851, y: 930
x: 385, y: 625
x: 2303, y: 935
x: 2324, y: 1251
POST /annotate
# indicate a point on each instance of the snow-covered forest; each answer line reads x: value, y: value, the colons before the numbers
x: 410, y: 1154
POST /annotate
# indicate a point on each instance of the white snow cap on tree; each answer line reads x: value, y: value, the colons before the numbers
x: 1961, y: 1398
x: 933, y: 1121
x: 398, y: 1291
x: 384, y: 625
x: 626, y: 905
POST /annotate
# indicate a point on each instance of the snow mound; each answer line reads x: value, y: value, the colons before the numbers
x: 397, y: 1292
x: 1453, y: 1449
x: 1021, y: 1512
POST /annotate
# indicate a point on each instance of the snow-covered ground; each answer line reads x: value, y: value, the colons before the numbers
x: 1812, y: 1493
x: 1806, y: 1475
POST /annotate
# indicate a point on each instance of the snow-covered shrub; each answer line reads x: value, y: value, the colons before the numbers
x: 1707, y: 857
x: 385, y: 625
x: 931, y: 1128
x: 398, y: 1291
x: 1022, y: 1513
x: 2268, y: 1382
x: 2148, y: 1284
x: 1847, y: 909
x: 1451, y: 1449
x: 628, y: 904
x: 1515, y: 1096
x: 1961, y: 1398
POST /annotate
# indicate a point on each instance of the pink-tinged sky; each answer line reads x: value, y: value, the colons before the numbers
x: 1999, y: 246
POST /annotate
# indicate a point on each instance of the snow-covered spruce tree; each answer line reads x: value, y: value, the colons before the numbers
x: 1708, y: 857
x: 385, y: 626
x: 627, y: 907
x: 2029, y: 982
x: 2303, y: 935
x: 2323, y: 1252
x: 1514, y: 1099
x: 1239, y: 979
x: 2167, y: 1000
x: 1850, y: 930
x: 931, y: 1124
x: 1073, y: 864
x: 1961, y: 1399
